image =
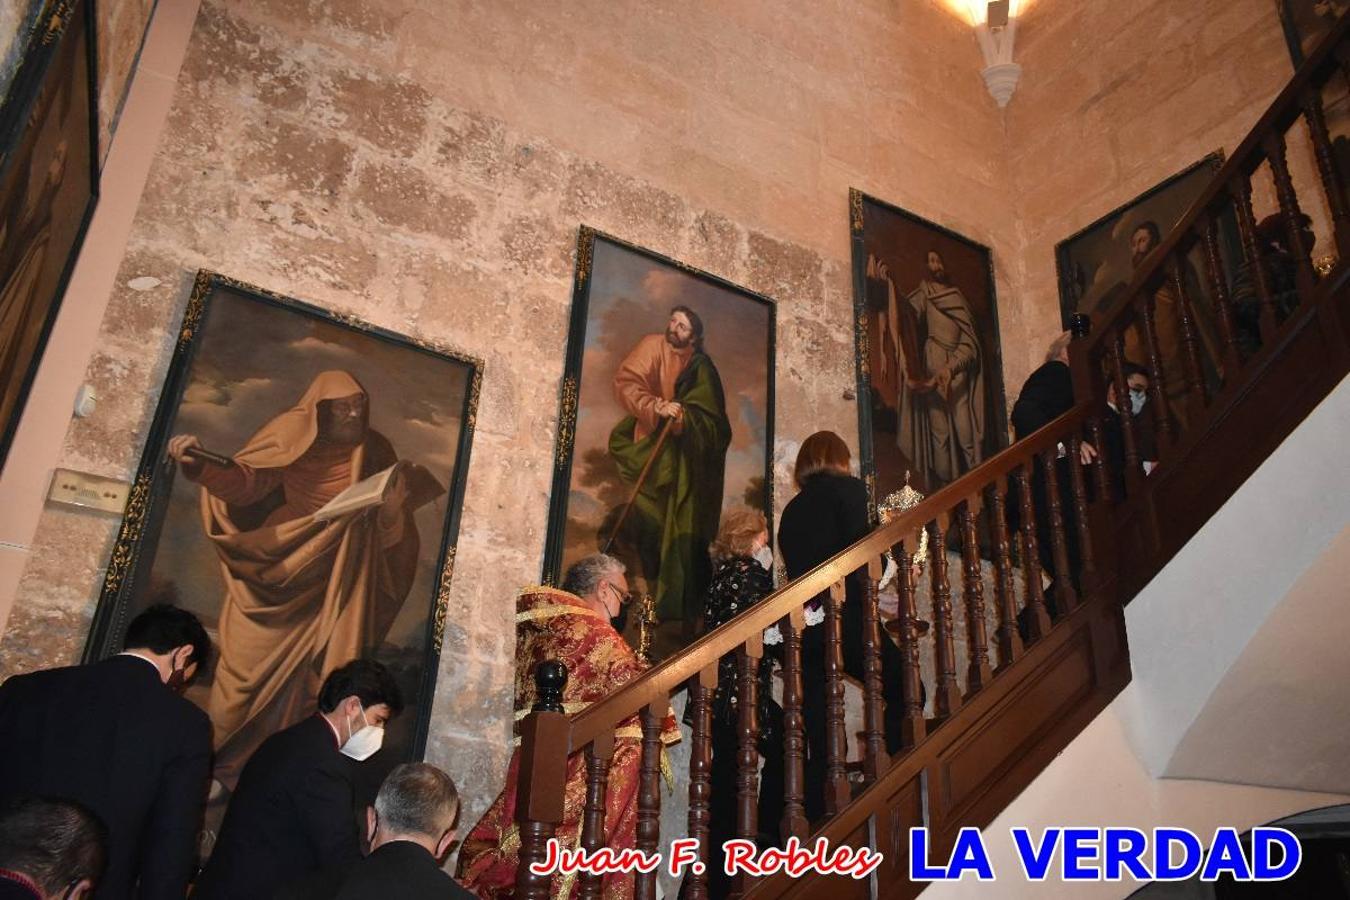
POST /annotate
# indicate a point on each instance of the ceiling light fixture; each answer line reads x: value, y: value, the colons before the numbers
x: 996, y: 28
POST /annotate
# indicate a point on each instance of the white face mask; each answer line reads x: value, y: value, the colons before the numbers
x: 365, y: 741
x: 1137, y: 399
x: 764, y: 556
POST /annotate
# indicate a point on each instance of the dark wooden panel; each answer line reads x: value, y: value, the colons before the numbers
x: 835, y: 887
x: 903, y: 811
x: 985, y: 753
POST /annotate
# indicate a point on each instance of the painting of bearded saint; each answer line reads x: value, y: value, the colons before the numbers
x: 307, y: 492
x: 932, y: 380
x: 672, y: 427
x: 1096, y: 265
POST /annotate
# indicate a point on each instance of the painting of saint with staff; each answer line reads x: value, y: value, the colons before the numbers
x: 672, y: 427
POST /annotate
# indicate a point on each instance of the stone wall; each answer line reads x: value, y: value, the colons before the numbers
x: 424, y: 165
x: 1117, y: 97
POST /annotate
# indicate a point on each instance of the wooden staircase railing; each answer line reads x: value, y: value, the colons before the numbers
x: 1002, y: 712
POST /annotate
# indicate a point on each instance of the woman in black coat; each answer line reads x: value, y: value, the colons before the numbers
x: 828, y: 514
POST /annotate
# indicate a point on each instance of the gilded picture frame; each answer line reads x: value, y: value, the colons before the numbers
x: 911, y: 428
x: 234, y: 531
x: 49, y: 185
x: 623, y: 298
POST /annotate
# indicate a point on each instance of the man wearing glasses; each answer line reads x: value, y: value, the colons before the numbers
x: 571, y: 624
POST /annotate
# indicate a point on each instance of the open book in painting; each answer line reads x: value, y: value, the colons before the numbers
x: 422, y: 489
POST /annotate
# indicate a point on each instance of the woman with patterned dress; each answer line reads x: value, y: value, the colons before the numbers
x: 741, y: 578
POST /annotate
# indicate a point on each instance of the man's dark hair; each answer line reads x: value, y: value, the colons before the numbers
x: 1134, y: 369
x: 54, y: 842
x: 368, y: 680
x: 417, y: 798
x: 695, y: 323
x: 1152, y: 228
x: 164, y: 626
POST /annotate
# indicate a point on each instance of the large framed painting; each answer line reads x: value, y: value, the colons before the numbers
x: 1095, y: 264
x: 300, y: 491
x: 666, y: 421
x: 48, y: 187
x: 930, y: 368
x: 1306, y: 22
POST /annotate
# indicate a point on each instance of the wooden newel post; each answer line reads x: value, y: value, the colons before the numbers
x: 545, y: 738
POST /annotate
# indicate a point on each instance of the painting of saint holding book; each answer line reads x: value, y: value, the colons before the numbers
x: 306, y: 489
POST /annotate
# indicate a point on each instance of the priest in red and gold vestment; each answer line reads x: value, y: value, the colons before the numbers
x: 570, y: 625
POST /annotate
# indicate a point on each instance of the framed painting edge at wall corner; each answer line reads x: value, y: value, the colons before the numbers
x: 987, y: 328
x: 576, y: 398
x: 129, y: 577
x: 30, y: 304
x: 1214, y: 160
x: 1294, y: 38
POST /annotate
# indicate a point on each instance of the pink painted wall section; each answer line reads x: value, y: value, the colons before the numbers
x: 37, y: 443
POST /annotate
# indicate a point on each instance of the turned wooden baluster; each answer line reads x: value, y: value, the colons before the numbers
x: 598, y: 756
x: 1038, y: 620
x: 1134, y: 471
x: 648, y: 832
x: 948, y: 697
x: 979, y: 673
x: 1332, y: 182
x: 544, y: 737
x: 1059, y: 546
x: 1223, y: 304
x: 1009, y: 640
x: 912, y: 726
x: 700, y: 777
x: 1190, y: 347
x: 794, y: 740
x: 1078, y: 484
x: 747, y: 748
x: 1241, y: 189
x: 836, y: 739
x: 875, y: 759
x: 1295, y: 233
x: 1157, y: 396
x: 1101, y: 477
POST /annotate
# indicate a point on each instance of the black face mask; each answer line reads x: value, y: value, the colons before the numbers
x: 620, y: 622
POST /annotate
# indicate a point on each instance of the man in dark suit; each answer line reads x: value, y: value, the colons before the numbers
x: 411, y: 827
x: 115, y: 737
x: 294, y: 811
x: 50, y: 849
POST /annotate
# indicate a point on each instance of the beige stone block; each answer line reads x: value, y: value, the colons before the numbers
x: 402, y: 196
x: 473, y: 147
x: 390, y: 113
x: 596, y: 195
x: 296, y: 158
x: 786, y: 272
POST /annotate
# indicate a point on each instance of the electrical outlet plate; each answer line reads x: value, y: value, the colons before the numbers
x: 71, y: 488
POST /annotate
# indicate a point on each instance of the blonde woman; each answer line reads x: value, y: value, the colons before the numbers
x: 741, y: 562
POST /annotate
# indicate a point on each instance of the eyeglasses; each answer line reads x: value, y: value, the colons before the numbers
x: 624, y: 597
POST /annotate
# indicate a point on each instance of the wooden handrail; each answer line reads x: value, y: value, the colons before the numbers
x: 669, y: 676
x: 993, y: 737
x: 1242, y: 162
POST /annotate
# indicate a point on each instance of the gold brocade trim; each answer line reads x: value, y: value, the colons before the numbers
x: 570, y: 707
x: 510, y: 842
x: 667, y: 771
x: 558, y: 609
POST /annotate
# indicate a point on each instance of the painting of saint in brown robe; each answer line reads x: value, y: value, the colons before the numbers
x: 308, y: 586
